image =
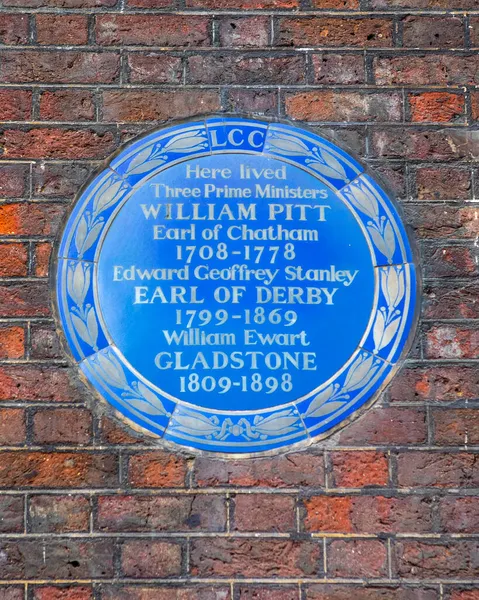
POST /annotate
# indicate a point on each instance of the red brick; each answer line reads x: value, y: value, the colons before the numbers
x: 15, y: 105
x: 12, y: 341
x: 57, y: 143
x: 435, y: 559
x: 246, y: 70
x: 42, y: 254
x: 58, y: 470
x: 30, y: 219
x: 451, y: 301
x: 325, y: 591
x: 337, y: 4
x: 153, y: 30
x: 344, y: 106
x: 268, y: 593
x: 12, y: 426
x: 67, y: 105
x: 165, y: 592
x: 150, y: 558
x: 12, y: 180
x: 157, y: 470
x: 150, y: 3
x: 378, y: 514
x: 459, y: 515
x: 13, y: 259
x: 450, y: 261
x: 357, y: 558
x: 456, y: 427
x: 335, y: 31
x: 154, y: 105
x: 443, y: 183
x: 250, y: 557
x: 154, y: 68
x: 264, y: 102
x: 443, y: 384
x: 112, y: 432
x: 60, y: 3
x: 328, y: 513
x: 428, y: 69
x: 449, y: 341
x: 387, y: 426
x: 247, y: 4
x: 438, y: 469
x: 24, y: 300
x: 464, y: 594
x: 44, y: 342
x: 63, y: 593
x: 343, y: 69
x: 436, y: 107
x: 421, y: 4
x: 59, y: 67
x: 246, y: 31
x: 13, y: 29
x: 264, y: 512
x: 293, y: 470
x: 162, y: 513
x: 433, y: 32
x: 70, y: 30
x: 412, y: 144
x: 59, y: 514
x: 475, y: 105
x: 12, y: 521
x: 439, y: 221
x: 62, y: 425
x: 358, y: 469
x: 59, y: 180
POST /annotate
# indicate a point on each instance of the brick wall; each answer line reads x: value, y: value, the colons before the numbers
x: 388, y: 509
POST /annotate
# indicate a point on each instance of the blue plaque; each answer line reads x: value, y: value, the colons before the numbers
x: 235, y: 285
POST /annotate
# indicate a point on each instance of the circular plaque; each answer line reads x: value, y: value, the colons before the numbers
x: 235, y: 285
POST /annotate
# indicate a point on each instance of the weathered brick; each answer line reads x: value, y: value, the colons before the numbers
x: 154, y: 68
x: 342, y: 69
x: 344, y: 106
x: 459, y: 515
x: 438, y: 469
x: 378, y: 514
x: 324, y: 591
x: 474, y: 30
x: 152, y: 30
x: 442, y: 384
x: 12, y: 180
x: 12, y: 511
x: 151, y: 558
x: 247, y: 4
x: 295, y: 470
x: 59, y: 67
x: 12, y: 426
x: 335, y: 31
x: 150, y: 3
x: 15, y: 105
x: 428, y: 69
x: 254, y: 592
x: 387, y: 426
x: 12, y: 592
x: 450, y: 341
x: 456, y: 427
x: 246, y: 31
x: 336, y: 4
x: 157, y: 469
x: 443, y: 183
x: 70, y: 30
x: 57, y: 559
x: 152, y: 105
x: 418, y: 559
x: 111, y: 432
x: 50, y: 513
x: 62, y: 425
x: 412, y: 144
x: 58, y: 470
x: 250, y: 557
x: 162, y: 513
x: 13, y: 259
x: 165, y: 592
x: 436, y: 107
x: 433, y: 32
x: 357, y: 558
x: 451, y: 301
x: 439, y: 221
x: 463, y: 593
x: 59, y: 180
x: 24, y: 300
x: 246, y: 70
x: 49, y: 592
x: 358, y: 469
x: 264, y: 512
x: 60, y: 3
x: 13, y: 29
x: 44, y: 342
x: 261, y: 102
x: 41, y: 258
x: 67, y: 105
